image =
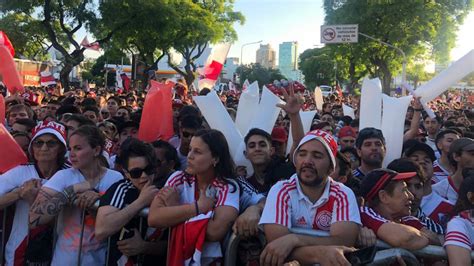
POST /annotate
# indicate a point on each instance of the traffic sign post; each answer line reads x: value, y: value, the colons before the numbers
x: 348, y: 33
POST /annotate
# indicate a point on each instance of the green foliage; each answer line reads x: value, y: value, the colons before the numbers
x: 256, y: 72
x: 184, y: 25
x: 27, y: 36
x: 416, y: 73
x: 416, y: 27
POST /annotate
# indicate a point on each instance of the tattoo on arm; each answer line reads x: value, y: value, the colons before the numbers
x: 45, y: 207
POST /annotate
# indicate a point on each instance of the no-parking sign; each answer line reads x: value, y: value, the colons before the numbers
x: 348, y: 33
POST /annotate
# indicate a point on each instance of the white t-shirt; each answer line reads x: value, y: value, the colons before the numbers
x: 226, y: 195
x: 446, y: 189
x: 69, y: 222
x: 460, y: 232
x: 9, y: 181
x: 183, y: 159
x: 287, y: 205
x: 436, y: 207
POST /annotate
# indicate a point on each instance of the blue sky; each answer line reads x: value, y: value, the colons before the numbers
x: 277, y: 21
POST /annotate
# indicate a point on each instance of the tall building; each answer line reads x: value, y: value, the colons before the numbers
x: 288, y: 60
x: 266, y: 56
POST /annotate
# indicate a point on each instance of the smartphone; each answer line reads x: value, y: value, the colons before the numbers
x: 125, y: 234
x: 362, y: 256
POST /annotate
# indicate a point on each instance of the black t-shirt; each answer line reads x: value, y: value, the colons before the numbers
x: 278, y: 169
x: 119, y: 195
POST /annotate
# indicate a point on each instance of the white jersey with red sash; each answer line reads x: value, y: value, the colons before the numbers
x: 187, y: 241
x: 13, y: 179
x: 436, y: 207
x: 287, y: 205
x: 446, y: 190
x: 439, y: 173
x: 460, y: 231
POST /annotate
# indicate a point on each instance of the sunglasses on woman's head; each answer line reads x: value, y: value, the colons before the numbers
x: 138, y: 172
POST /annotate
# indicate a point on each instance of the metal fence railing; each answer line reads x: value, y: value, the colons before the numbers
x: 384, y: 256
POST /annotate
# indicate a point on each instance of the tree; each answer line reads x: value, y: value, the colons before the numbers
x: 71, y: 16
x: 256, y: 72
x: 187, y: 26
x: 409, y: 25
x: 416, y: 73
x: 27, y: 36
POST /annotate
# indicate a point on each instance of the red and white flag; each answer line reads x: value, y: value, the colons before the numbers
x: 245, y: 85
x: 213, y: 67
x: 47, y: 78
x: 187, y: 241
x: 93, y: 46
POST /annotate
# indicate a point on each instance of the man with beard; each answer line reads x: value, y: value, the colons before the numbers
x: 310, y: 199
x: 370, y: 144
x: 432, y: 204
x: 387, y: 209
x: 442, y: 167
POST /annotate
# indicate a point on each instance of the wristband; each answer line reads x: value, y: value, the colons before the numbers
x: 418, y: 110
x: 197, y: 208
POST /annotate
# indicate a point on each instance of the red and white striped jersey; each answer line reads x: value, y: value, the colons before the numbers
x: 227, y: 194
x: 287, y: 205
x: 446, y: 190
x: 439, y: 173
x: 436, y: 207
x: 372, y: 220
x: 460, y: 231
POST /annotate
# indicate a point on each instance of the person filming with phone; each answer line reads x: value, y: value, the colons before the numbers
x: 118, y: 213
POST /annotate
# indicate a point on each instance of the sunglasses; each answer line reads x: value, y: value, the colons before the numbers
x: 138, y: 172
x: 104, y: 113
x: 49, y: 143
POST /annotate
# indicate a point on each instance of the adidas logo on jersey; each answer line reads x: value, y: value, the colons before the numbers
x: 301, y: 221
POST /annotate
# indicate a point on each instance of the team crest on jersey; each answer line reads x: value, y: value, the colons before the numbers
x: 322, y: 220
x: 301, y: 221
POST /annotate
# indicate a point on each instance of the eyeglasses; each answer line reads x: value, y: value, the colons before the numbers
x: 49, y: 143
x: 138, y: 172
x: 187, y: 134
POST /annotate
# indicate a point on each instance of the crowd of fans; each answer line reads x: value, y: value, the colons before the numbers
x: 83, y: 148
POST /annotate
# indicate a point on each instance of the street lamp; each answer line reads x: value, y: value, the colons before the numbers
x: 242, y: 49
x: 404, y: 64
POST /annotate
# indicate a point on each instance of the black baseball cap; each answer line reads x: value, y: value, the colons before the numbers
x: 413, y: 145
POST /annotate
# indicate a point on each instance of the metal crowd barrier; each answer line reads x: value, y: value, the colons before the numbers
x: 382, y: 258
x: 230, y: 257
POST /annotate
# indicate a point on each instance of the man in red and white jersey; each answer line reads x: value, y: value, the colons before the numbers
x: 442, y: 167
x: 433, y: 205
x: 387, y: 210
x: 310, y: 199
x: 461, y: 156
x: 460, y: 233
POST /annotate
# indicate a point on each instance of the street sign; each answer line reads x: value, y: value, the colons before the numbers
x: 348, y: 33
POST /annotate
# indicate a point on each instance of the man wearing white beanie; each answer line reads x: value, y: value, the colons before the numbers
x: 310, y: 199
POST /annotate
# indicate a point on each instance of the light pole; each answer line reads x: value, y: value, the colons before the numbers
x: 242, y: 49
x: 404, y: 64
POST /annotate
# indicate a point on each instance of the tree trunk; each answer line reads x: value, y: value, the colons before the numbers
x: 64, y: 76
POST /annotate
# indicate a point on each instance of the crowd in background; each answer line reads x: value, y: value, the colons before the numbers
x: 83, y: 149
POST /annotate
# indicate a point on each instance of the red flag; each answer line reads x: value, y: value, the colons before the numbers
x: 157, y: 117
x: 213, y: 71
x: 8, y: 71
x: 47, y: 78
x: 93, y: 46
x: 15, y: 157
x: 6, y: 42
x: 187, y: 241
x: 2, y: 109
